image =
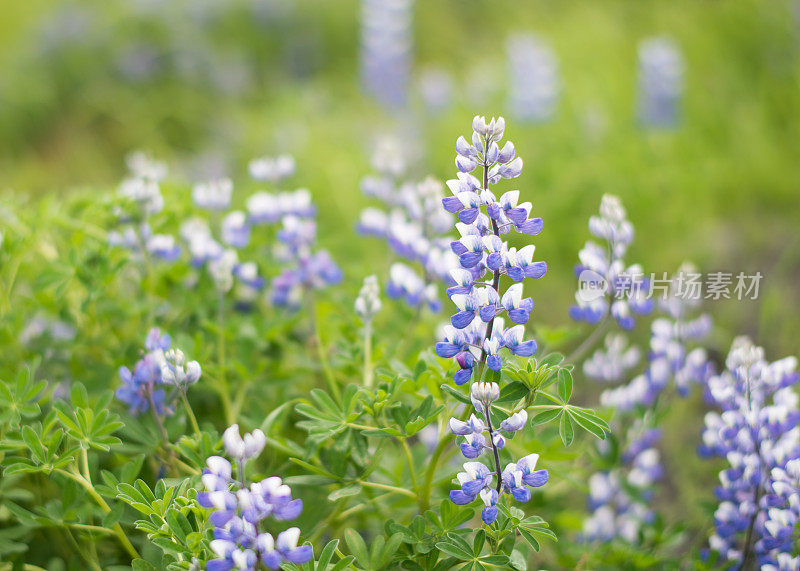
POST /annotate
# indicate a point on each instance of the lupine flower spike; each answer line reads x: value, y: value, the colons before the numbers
x: 477, y: 334
x: 607, y: 285
x: 240, y: 509
x: 758, y: 434
x: 367, y: 305
x: 414, y: 227
x: 160, y: 370
x: 142, y: 190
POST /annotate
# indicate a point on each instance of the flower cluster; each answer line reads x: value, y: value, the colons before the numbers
x: 618, y: 498
x: 271, y: 208
x: 386, y: 40
x: 661, y: 71
x: 612, y: 363
x: 415, y: 227
x: 142, y: 190
x: 757, y: 432
x: 476, y: 334
x: 306, y: 270
x: 156, y: 377
x: 221, y: 257
x: 613, y: 286
x: 240, y: 509
x: 478, y: 480
x: 670, y: 357
x: 272, y: 169
x: 534, y: 84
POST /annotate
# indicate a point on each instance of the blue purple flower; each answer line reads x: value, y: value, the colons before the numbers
x: 239, y: 510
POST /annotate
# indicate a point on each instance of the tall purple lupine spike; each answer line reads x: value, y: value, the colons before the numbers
x: 757, y: 434
x: 661, y: 77
x: 386, y: 42
x: 477, y: 335
x: 142, y: 190
x: 534, y: 84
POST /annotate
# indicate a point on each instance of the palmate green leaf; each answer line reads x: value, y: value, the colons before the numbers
x: 134, y: 498
x: 33, y: 442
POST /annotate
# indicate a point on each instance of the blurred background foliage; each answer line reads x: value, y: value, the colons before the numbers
x: 206, y: 86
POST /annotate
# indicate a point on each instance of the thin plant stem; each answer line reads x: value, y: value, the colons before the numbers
x: 388, y: 488
x: 589, y: 342
x: 224, y: 388
x: 190, y: 413
x: 76, y: 546
x: 430, y: 473
x: 323, y: 357
x: 411, y: 468
x: 494, y: 448
x: 75, y: 475
x: 368, y: 374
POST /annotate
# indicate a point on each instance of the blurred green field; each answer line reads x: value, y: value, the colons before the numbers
x: 722, y: 190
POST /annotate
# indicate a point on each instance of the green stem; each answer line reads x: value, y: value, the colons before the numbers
x: 389, y: 488
x: 589, y: 342
x: 190, y: 413
x: 368, y: 375
x: 75, y: 475
x: 323, y: 357
x: 430, y: 473
x: 224, y: 388
x: 92, y: 563
x: 411, y: 469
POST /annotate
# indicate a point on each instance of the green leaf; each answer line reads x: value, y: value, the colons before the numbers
x: 342, y: 564
x: 545, y: 416
x: 566, y: 430
x: 327, y: 554
x: 114, y: 515
x: 389, y: 549
x: 564, y: 384
x: 355, y: 543
x: 528, y: 536
x: 477, y: 544
x: 458, y: 395
x: 347, y: 491
x: 454, y: 550
x: 587, y: 423
x: 513, y: 392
